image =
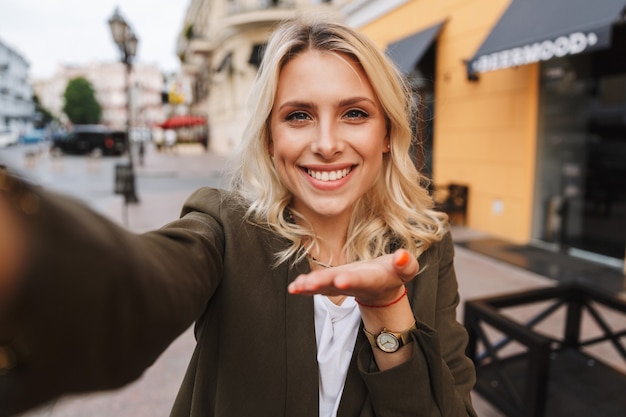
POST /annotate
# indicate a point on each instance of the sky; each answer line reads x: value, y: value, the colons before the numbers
x: 74, y: 32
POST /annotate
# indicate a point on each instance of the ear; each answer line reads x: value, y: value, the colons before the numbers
x: 270, y: 147
x: 386, y: 144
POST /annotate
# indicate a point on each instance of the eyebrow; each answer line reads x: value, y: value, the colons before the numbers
x: 299, y: 104
x: 342, y: 103
x: 355, y: 100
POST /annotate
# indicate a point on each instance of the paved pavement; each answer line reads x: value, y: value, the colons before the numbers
x: 152, y: 395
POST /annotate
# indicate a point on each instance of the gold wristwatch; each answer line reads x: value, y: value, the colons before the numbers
x: 388, y: 341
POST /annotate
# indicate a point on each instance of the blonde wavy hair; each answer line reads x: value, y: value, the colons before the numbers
x: 396, y: 212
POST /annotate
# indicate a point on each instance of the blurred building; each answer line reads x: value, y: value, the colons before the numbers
x: 523, y: 102
x: 16, y: 96
x: 109, y: 81
x: 221, y: 46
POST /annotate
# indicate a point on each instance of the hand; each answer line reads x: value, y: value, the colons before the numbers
x: 12, y: 248
x: 13, y: 236
x: 375, y: 282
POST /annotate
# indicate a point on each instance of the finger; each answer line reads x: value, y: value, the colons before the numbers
x: 405, y: 265
x: 299, y: 285
x: 335, y: 281
x: 310, y: 283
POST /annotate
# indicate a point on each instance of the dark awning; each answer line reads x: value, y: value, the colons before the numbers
x: 256, y: 56
x: 226, y: 62
x: 538, y: 30
x: 406, y: 53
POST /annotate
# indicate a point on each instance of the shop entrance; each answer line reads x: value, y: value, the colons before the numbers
x: 581, y: 177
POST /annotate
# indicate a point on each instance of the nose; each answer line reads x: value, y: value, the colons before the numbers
x: 327, y: 142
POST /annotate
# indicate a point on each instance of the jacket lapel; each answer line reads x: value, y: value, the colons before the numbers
x: 354, y: 391
x: 302, y: 371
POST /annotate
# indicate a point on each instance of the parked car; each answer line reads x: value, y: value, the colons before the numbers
x: 90, y: 139
x: 33, y: 136
x: 8, y: 137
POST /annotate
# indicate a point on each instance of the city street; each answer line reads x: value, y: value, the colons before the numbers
x: 163, y: 183
x: 519, y: 130
x: 91, y: 179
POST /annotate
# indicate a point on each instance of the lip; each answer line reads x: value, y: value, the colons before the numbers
x: 327, y: 184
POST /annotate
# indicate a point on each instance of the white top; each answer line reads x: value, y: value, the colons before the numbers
x: 336, y: 328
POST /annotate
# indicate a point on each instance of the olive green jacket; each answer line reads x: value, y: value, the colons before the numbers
x: 99, y: 305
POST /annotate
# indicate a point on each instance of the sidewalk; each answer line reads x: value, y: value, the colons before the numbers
x: 153, y: 394
x: 163, y: 184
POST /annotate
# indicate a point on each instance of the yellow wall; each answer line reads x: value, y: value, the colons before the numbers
x: 485, y: 131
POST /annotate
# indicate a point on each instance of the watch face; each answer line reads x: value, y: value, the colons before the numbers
x: 387, y: 342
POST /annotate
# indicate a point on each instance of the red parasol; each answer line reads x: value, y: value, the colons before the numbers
x: 185, y: 120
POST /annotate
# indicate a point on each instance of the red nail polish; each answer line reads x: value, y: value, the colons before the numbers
x: 403, y: 259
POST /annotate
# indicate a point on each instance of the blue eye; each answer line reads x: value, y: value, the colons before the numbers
x: 356, y: 114
x: 297, y: 115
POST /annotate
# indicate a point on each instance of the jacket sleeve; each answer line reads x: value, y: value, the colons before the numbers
x: 97, y: 304
x: 438, y: 378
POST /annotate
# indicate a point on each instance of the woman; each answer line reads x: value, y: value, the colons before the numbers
x: 302, y: 279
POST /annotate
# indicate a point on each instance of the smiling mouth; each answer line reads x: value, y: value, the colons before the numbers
x: 329, y: 175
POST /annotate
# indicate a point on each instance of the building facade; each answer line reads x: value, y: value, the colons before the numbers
x: 525, y: 103
x: 110, y: 81
x: 221, y: 48
x: 16, y: 96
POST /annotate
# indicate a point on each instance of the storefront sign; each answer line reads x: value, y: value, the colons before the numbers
x: 572, y: 44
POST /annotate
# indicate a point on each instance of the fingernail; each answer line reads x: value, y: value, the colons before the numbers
x: 403, y: 259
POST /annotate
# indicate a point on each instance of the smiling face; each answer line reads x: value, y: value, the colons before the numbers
x: 328, y: 134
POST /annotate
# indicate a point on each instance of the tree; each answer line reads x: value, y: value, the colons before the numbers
x: 43, y: 116
x: 81, y: 105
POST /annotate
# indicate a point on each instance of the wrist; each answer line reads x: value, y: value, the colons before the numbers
x: 390, y: 341
x: 374, y: 304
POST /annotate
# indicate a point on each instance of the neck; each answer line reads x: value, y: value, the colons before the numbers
x: 317, y: 262
x: 330, y: 234
x: 326, y: 253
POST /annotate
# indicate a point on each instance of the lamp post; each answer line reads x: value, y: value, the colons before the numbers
x: 126, y: 41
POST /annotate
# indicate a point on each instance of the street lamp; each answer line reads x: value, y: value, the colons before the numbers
x: 126, y: 41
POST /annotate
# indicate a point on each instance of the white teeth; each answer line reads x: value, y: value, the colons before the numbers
x: 329, y: 175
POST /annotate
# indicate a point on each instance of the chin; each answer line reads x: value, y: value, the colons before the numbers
x: 333, y: 211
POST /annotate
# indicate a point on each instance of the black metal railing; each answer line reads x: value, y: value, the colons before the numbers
x: 546, y: 374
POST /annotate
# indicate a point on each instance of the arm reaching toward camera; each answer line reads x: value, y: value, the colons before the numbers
x: 15, y: 205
